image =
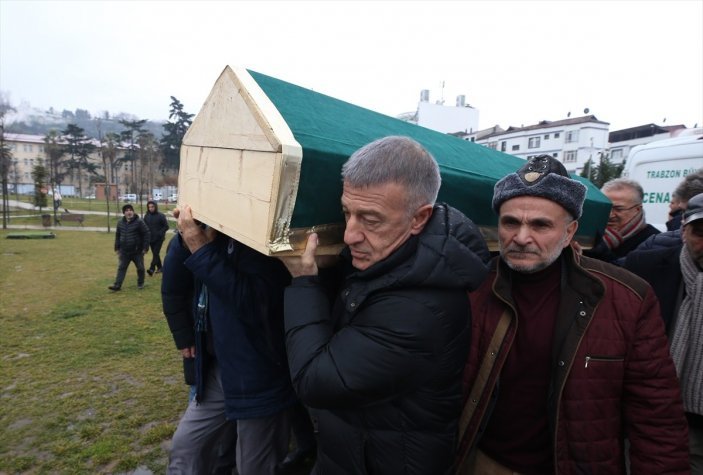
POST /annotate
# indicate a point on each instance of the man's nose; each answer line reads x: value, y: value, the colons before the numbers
x: 352, y: 232
x: 523, y: 235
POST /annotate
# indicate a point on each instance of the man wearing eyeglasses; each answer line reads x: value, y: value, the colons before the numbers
x: 627, y: 227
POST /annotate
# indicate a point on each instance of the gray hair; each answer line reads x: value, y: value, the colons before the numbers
x: 395, y: 159
x: 624, y: 184
x: 690, y: 186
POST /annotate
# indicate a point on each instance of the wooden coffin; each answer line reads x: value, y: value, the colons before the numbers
x: 262, y: 160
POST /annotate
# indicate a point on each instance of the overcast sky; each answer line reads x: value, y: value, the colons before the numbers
x: 518, y: 62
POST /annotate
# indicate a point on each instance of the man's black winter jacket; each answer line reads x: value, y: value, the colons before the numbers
x: 131, y: 237
x: 382, y: 368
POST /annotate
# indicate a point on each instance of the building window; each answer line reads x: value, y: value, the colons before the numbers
x: 515, y: 148
x: 556, y: 135
x: 473, y: 139
x: 570, y: 156
x: 572, y: 136
x: 503, y: 144
x: 555, y: 155
x: 492, y: 145
x: 533, y: 142
x: 546, y: 136
x: 616, y: 154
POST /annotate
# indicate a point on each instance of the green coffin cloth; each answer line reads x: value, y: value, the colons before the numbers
x: 330, y: 130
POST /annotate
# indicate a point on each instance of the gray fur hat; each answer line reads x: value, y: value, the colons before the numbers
x: 545, y: 177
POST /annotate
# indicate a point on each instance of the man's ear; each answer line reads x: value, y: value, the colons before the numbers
x: 571, y: 231
x: 420, y: 218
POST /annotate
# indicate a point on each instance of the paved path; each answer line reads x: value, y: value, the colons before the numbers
x: 34, y: 227
x: 29, y: 206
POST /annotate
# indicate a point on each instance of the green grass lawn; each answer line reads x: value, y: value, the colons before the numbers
x: 91, y: 380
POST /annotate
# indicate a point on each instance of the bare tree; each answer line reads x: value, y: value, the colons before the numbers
x: 130, y: 136
x: 5, y: 161
x: 148, y: 161
x: 57, y: 167
x: 108, y: 155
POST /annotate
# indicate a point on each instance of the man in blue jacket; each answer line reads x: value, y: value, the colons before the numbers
x: 380, y: 362
x: 245, y: 373
x: 210, y: 450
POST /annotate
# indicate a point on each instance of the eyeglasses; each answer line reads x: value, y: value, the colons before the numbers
x: 621, y: 209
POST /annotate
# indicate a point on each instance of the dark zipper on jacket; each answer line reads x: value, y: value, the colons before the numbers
x: 603, y: 359
x: 561, y: 390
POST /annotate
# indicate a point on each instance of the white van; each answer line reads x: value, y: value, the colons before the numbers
x: 660, y: 166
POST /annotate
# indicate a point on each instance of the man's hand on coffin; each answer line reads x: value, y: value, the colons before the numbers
x: 305, y: 264
x: 192, y: 233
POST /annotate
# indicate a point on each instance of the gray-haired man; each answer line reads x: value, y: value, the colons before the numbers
x: 380, y: 364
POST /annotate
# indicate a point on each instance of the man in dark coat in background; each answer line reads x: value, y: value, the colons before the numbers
x: 676, y: 273
x: 627, y: 227
x: 380, y: 364
x: 131, y: 243
x: 158, y: 226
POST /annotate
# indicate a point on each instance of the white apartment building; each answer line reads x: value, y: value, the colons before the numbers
x: 446, y: 119
x: 29, y: 150
x: 622, y: 141
x: 573, y: 141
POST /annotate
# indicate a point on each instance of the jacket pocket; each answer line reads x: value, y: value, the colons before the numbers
x: 591, y: 360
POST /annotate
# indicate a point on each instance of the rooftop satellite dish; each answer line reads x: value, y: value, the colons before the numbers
x: 586, y: 110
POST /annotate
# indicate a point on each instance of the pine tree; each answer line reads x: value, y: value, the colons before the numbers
x: 79, y: 148
x: 606, y: 170
x: 173, y: 134
x: 39, y: 175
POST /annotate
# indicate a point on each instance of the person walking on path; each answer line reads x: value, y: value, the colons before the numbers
x: 131, y: 243
x: 158, y: 226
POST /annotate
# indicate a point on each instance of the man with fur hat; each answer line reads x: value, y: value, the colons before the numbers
x: 131, y: 243
x: 568, y: 354
x: 676, y: 274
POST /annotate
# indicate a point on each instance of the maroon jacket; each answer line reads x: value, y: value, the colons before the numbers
x: 612, y: 376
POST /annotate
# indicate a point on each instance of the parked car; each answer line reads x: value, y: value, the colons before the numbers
x: 128, y: 197
x: 90, y: 197
x: 173, y: 198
